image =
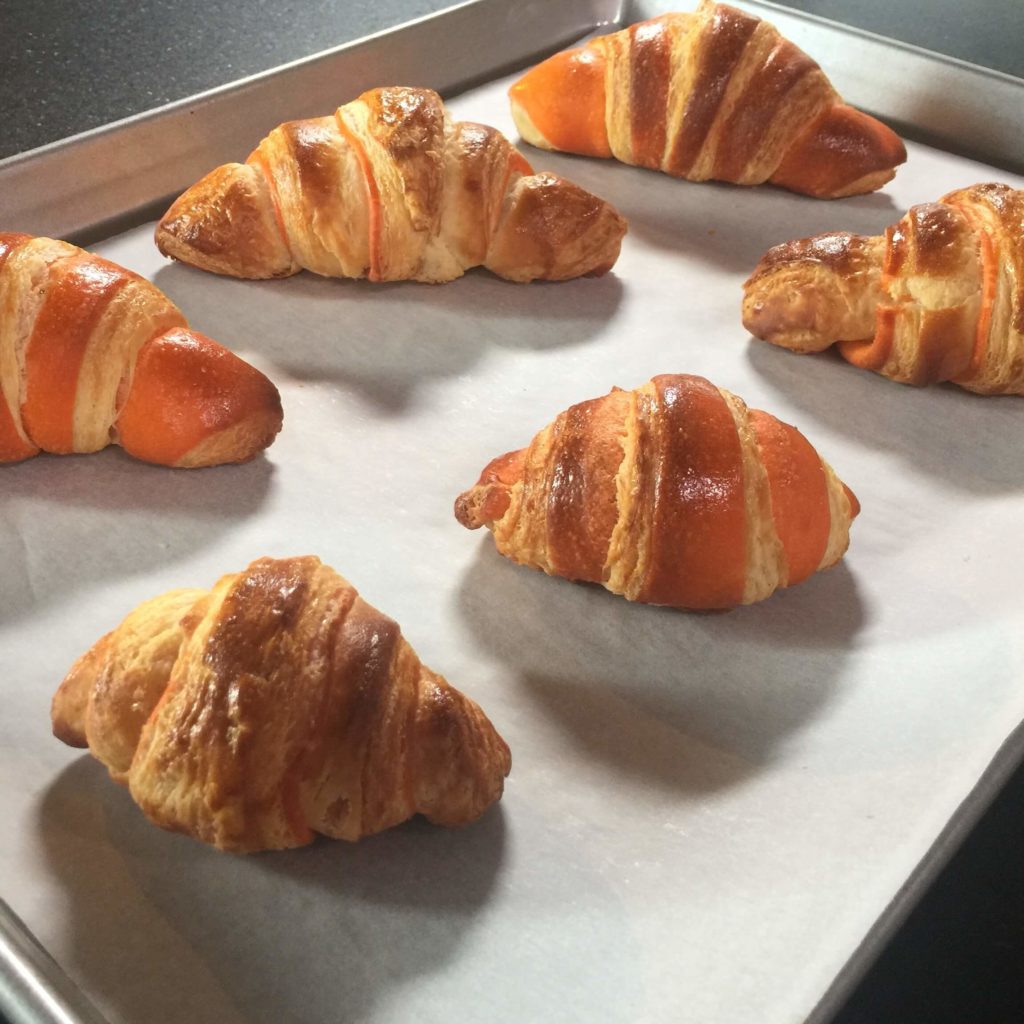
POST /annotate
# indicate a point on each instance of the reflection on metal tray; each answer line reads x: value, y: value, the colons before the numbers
x: 77, y: 186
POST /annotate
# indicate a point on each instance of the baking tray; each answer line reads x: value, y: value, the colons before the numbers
x: 710, y: 817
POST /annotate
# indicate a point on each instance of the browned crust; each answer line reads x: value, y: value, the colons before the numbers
x: 239, y: 443
x: 767, y: 91
x: 108, y: 359
x: 226, y: 224
x: 804, y: 294
x: 434, y: 197
x: 650, y: 74
x: 68, y: 707
x: 842, y: 252
x: 553, y: 230
x: 1007, y: 207
x: 662, y: 495
x: 721, y: 94
x: 290, y: 706
x: 309, y: 143
x: 844, y: 152
x: 939, y: 297
x: 410, y: 126
x: 489, y: 499
x: 586, y: 452
x: 478, y: 176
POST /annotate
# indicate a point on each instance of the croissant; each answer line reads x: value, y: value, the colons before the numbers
x: 714, y: 94
x: 674, y: 493
x: 388, y: 188
x: 274, y: 706
x: 92, y: 354
x: 939, y: 297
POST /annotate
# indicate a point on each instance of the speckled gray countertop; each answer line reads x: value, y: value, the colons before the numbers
x: 69, y: 66
x: 73, y: 65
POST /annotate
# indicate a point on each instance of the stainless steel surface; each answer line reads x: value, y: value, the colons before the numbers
x: 1006, y: 762
x: 82, y: 183
x: 85, y: 65
x: 124, y: 169
x: 33, y: 988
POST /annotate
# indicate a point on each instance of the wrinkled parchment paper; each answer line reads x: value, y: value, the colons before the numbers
x: 707, y: 814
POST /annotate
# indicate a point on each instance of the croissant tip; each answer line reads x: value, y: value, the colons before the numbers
x: 225, y: 224
x: 68, y: 734
x: 464, y: 511
x: 854, y: 503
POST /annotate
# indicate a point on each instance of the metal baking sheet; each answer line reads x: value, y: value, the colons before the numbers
x: 709, y: 817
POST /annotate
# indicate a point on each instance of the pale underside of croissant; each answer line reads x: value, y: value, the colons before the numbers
x: 938, y: 297
x: 92, y: 354
x: 277, y: 705
x: 674, y: 493
x: 390, y: 189
x: 717, y: 94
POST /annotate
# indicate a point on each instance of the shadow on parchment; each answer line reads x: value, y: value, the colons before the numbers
x: 713, y: 221
x: 108, y: 516
x: 689, y: 701
x: 384, y: 340
x: 971, y: 442
x: 167, y: 929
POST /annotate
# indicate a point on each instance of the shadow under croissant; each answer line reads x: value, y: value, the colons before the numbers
x: 384, y: 340
x: 971, y: 442
x: 731, y: 226
x: 693, y: 702
x: 166, y: 928
x: 109, y: 516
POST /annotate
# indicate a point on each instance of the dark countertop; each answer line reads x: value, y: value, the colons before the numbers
x: 73, y: 66
x: 80, y: 65
x: 76, y: 68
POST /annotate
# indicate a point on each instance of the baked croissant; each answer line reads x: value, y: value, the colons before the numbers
x: 939, y: 297
x: 714, y: 94
x: 274, y: 706
x: 92, y: 354
x: 389, y: 188
x: 674, y: 493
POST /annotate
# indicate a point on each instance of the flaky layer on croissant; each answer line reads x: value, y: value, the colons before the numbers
x: 674, y: 493
x: 274, y: 706
x: 92, y: 354
x: 717, y: 94
x: 390, y: 189
x: 938, y: 297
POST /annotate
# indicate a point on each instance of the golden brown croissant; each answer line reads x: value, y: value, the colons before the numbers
x: 92, y: 354
x: 939, y: 297
x: 389, y: 188
x: 714, y: 94
x: 675, y: 493
x: 276, y: 705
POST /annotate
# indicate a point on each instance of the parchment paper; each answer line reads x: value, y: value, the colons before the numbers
x: 706, y: 813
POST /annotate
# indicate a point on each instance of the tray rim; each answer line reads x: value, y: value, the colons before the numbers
x: 19, y: 176
x: 979, y: 103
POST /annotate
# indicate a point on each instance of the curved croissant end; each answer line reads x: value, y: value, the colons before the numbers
x: 277, y: 705
x: 717, y: 94
x: 560, y: 104
x: 938, y: 297
x: 675, y: 493
x: 390, y: 189
x: 226, y: 223
x: 193, y: 403
x: 550, y: 228
x: 844, y: 153
x: 92, y: 354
